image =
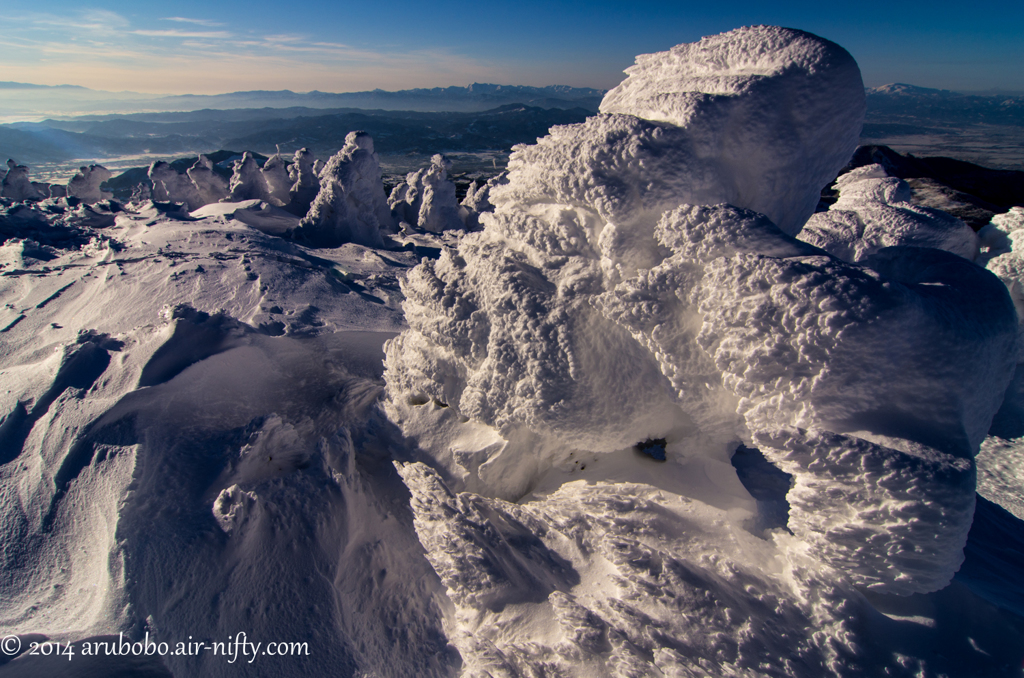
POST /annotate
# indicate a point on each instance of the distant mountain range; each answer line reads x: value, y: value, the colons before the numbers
x: 901, y: 103
x: 22, y: 101
x: 266, y: 130
x: 480, y: 117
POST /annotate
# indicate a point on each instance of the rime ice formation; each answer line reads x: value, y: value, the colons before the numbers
x: 192, y: 439
x: 210, y: 186
x: 170, y: 186
x: 427, y: 198
x: 351, y: 206
x: 275, y: 174
x: 85, y: 185
x: 247, y: 181
x: 759, y: 133
x: 17, y: 186
x: 478, y: 201
x: 639, y: 280
x: 874, y: 211
x: 305, y: 184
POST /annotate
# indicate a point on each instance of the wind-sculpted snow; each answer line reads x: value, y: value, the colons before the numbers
x: 196, y: 438
x: 874, y: 211
x: 609, y: 579
x: 188, y: 425
x: 351, y: 205
x: 305, y: 182
x: 210, y: 186
x: 892, y: 520
x: 170, y: 186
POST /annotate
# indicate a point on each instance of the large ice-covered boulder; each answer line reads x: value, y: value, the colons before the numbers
x: 427, y: 198
x: 638, y: 281
x: 351, y: 205
x: 874, y: 211
x: 85, y: 185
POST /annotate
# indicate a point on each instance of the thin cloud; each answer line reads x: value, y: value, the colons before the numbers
x: 185, y: 20
x: 175, y: 33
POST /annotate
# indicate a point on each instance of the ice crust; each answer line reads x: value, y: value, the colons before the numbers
x: 639, y: 279
x: 351, y: 205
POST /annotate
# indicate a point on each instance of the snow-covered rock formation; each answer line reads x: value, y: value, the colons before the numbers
x: 874, y: 211
x: 426, y: 199
x: 85, y: 185
x: 351, y: 206
x: 638, y: 284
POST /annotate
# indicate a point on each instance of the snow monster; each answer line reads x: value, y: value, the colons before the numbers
x: 641, y: 278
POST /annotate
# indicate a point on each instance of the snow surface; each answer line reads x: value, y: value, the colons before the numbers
x: 198, y: 436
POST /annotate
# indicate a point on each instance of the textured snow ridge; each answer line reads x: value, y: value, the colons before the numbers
x: 190, y: 444
x: 426, y: 199
x: 610, y: 579
x: 874, y: 211
x: 752, y: 101
x: 351, y: 205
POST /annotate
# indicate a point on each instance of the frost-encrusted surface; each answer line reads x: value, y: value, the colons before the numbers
x: 753, y: 102
x: 191, y: 439
x: 426, y: 199
x: 351, y: 205
x: 609, y: 579
x: 637, y: 282
x: 874, y: 211
x: 85, y: 185
x: 890, y: 519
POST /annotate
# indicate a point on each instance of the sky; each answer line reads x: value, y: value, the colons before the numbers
x: 216, y: 46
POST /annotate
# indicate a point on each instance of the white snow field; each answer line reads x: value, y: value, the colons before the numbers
x: 643, y: 423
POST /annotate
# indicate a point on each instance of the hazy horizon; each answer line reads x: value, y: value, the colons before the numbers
x: 207, y: 48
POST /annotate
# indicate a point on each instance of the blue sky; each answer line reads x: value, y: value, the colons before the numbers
x: 212, y: 46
